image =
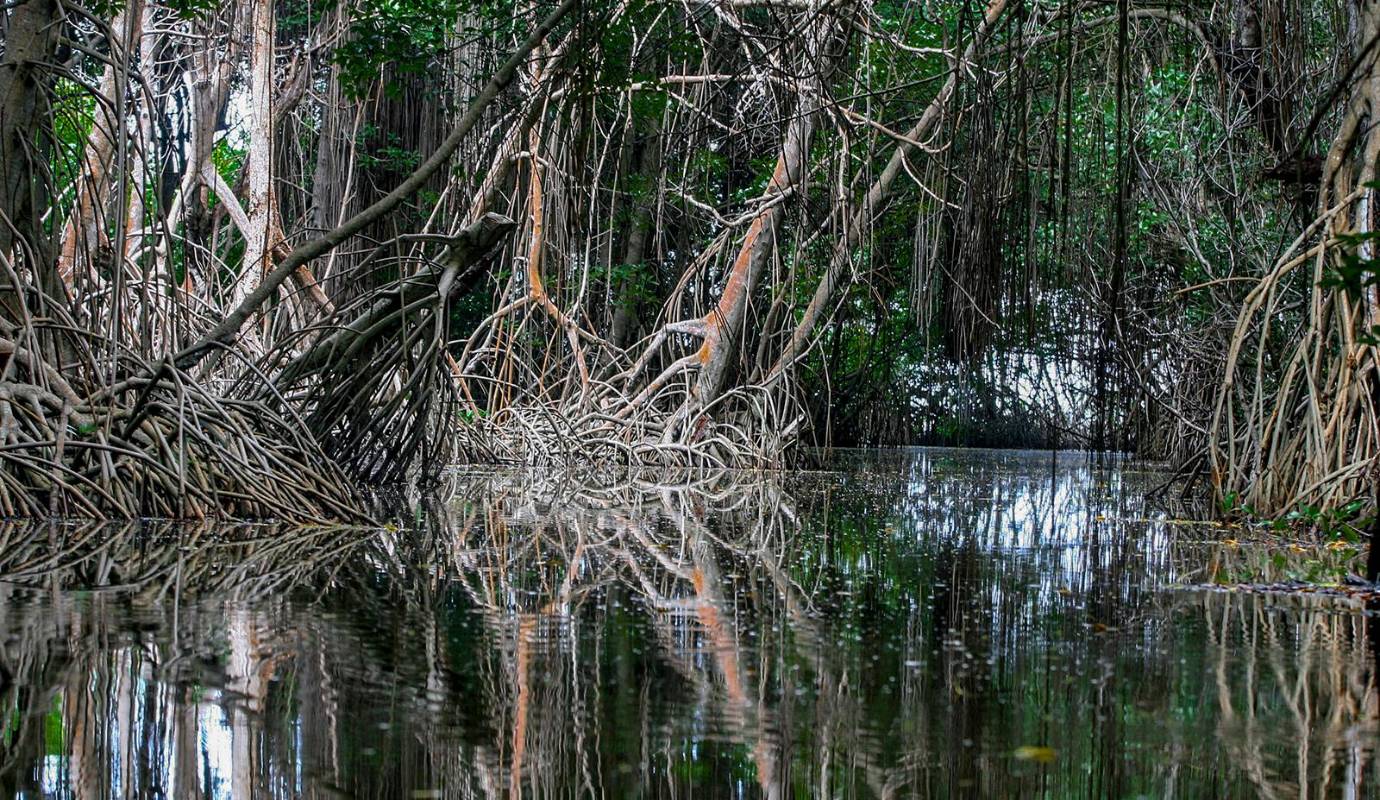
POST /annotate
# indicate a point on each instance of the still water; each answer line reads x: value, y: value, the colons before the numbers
x: 927, y: 623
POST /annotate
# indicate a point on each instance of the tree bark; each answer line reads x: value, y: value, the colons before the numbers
x: 263, y: 229
x: 723, y: 325
x: 84, y: 234
x: 31, y: 41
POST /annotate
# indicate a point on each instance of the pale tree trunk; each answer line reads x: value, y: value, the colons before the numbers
x: 144, y: 170
x: 207, y: 77
x: 144, y: 158
x: 263, y: 232
x: 84, y: 235
x: 209, y: 81
x: 314, y: 299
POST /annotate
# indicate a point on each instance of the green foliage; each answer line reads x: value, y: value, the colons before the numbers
x: 761, y: 170
x: 1337, y: 533
x: 383, y: 150
x: 706, y: 174
x: 636, y: 283
x: 1271, y: 562
x: 649, y: 106
x: 405, y: 35
x: 295, y: 17
x: 1356, y: 273
x: 1343, y: 523
x: 228, y: 159
x: 12, y: 722
x: 54, y: 739
x: 468, y: 416
x: 74, y: 110
x: 191, y: 9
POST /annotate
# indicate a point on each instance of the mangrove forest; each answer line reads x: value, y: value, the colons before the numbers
x: 708, y: 398
x: 259, y: 258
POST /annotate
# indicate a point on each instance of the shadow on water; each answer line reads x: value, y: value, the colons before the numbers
x: 933, y: 623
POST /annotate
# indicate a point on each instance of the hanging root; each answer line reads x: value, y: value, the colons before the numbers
x: 376, y: 387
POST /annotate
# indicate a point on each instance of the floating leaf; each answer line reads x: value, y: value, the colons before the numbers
x: 1039, y: 754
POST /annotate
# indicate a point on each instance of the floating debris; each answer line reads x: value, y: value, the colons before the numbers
x: 1039, y: 754
x: 1354, y: 589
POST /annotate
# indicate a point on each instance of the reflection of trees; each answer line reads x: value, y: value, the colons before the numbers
x: 112, y: 675
x: 1296, y: 693
x: 657, y: 544
x: 277, y: 646
x: 532, y: 636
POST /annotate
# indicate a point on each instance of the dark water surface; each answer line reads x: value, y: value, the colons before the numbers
x: 927, y: 623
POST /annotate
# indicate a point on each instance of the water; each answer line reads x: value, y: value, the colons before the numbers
x: 927, y: 623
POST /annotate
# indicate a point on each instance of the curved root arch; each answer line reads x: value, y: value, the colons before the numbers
x: 1296, y: 418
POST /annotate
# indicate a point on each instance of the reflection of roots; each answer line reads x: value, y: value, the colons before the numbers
x: 1325, y: 691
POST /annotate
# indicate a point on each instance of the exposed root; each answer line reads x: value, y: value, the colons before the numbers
x: 162, y: 447
x: 758, y: 433
x: 1311, y: 435
x: 375, y: 388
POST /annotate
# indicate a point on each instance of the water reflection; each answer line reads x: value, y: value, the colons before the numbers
x: 931, y: 623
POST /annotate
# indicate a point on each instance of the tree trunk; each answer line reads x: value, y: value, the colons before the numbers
x: 625, y: 314
x: 25, y: 85
x: 84, y: 235
x: 263, y: 228
x: 723, y: 325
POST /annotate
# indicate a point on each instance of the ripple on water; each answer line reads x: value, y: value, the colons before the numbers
x: 919, y: 622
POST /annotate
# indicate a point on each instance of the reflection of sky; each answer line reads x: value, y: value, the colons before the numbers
x: 53, y: 781
x: 214, y: 757
x: 1044, y: 523
x: 217, y: 750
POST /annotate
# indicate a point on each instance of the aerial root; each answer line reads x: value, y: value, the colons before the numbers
x: 161, y: 447
x: 746, y: 429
